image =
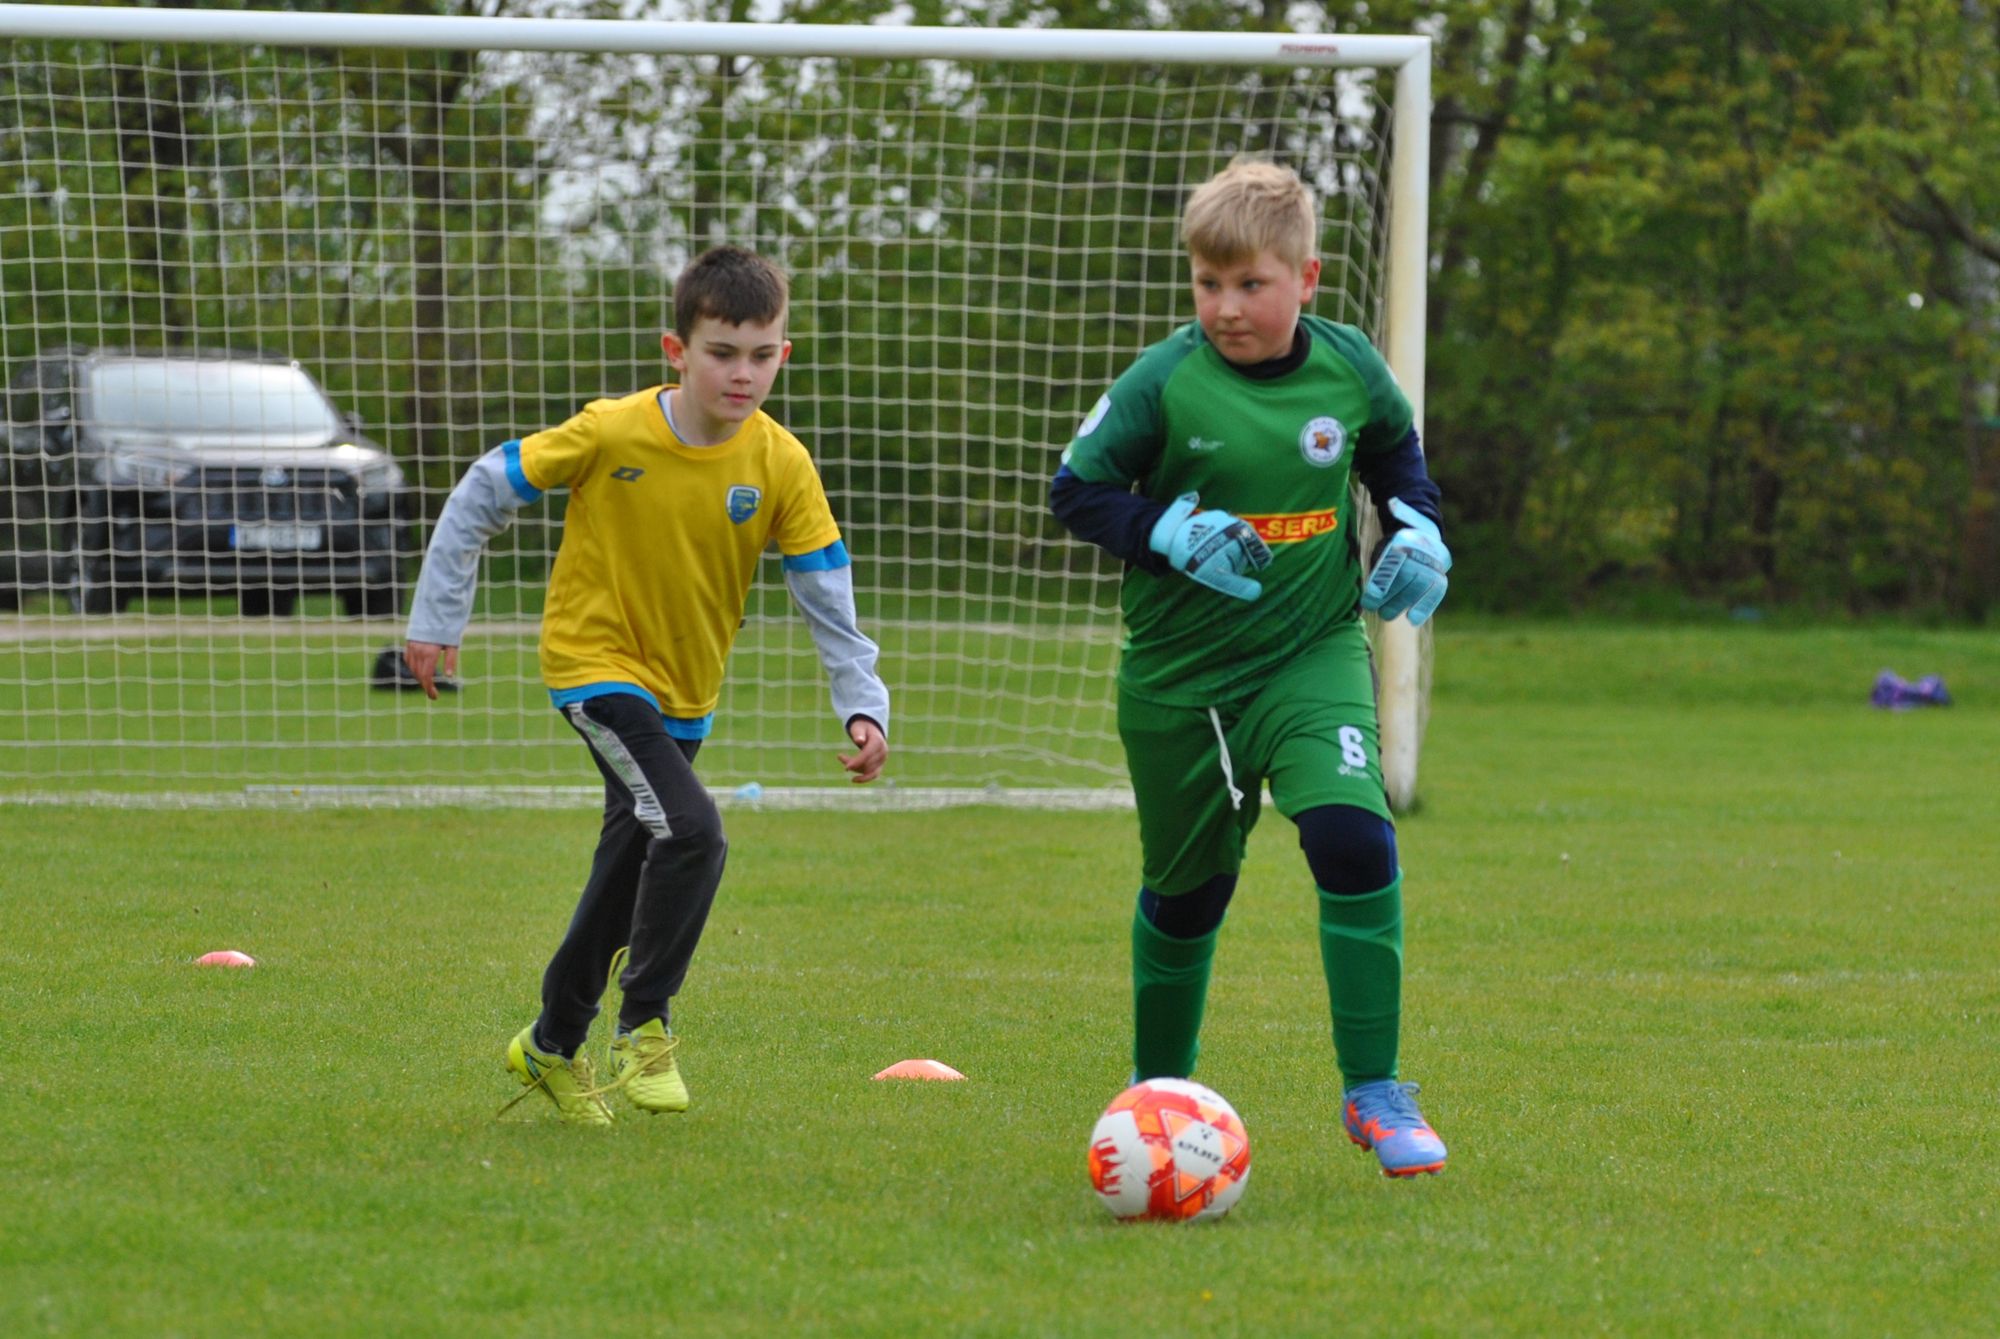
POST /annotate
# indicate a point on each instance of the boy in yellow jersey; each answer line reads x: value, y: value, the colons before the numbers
x: 674, y: 492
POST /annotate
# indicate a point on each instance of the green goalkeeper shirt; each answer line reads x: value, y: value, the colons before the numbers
x: 1278, y: 453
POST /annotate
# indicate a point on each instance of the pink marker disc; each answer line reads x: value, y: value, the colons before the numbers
x: 919, y: 1069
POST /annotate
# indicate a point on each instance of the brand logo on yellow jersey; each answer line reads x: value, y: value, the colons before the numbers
x: 1292, y: 527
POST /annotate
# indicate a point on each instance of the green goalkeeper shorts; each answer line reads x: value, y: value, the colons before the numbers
x: 1197, y: 773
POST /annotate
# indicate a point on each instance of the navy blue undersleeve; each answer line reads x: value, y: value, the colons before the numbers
x: 1400, y: 473
x: 1115, y: 519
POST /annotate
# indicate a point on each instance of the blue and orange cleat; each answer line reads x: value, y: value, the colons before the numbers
x: 1383, y: 1116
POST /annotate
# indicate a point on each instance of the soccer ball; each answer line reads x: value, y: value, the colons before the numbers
x: 1169, y: 1149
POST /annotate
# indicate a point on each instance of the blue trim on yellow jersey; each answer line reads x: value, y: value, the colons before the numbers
x: 680, y: 727
x: 819, y: 560
x: 510, y: 452
x: 563, y: 697
x: 683, y: 728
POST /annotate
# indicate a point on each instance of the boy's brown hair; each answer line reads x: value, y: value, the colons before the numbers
x: 731, y: 285
x: 1250, y: 206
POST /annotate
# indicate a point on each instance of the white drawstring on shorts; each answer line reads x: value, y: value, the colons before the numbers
x: 1228, y: 772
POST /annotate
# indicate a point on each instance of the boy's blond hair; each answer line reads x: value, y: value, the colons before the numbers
x: 1250, y: 206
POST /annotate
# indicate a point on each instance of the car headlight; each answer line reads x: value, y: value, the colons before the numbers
x: 135, y: 471
x: 381, y: 476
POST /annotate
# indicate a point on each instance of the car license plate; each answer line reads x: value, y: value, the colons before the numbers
x: 292, y: 537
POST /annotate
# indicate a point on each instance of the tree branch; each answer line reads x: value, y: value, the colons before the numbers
x: 1936, y: 217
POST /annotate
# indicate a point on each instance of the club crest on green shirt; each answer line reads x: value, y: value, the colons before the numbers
x: 743, y: 500
x: 1322, y: 440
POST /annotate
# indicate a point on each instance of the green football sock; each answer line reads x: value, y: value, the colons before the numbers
x: 1169, y: 991
x: 1361, y: 946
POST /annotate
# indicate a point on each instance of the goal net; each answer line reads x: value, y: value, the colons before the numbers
x: 271, y: 281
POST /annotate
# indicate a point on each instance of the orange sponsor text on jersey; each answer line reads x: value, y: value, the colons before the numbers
x: 1291, y: 527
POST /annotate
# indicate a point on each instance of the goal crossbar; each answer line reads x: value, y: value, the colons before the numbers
x: 656, y: 36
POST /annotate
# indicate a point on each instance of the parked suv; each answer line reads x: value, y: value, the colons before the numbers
x: 123, y: 473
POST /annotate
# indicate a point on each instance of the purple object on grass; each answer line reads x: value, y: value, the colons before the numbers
x: 1895, y: 693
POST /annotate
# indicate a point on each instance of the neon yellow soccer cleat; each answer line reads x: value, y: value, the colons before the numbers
x: 642, y: 1063
x: 570, y: 1084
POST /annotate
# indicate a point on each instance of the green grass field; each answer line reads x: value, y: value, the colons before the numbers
x: 1703, y: 989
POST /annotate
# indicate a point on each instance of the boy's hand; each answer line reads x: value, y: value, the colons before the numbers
x: 874, y: 745
x: 423, y: 659
x: 1410, y: 573
x: 1212, y: 547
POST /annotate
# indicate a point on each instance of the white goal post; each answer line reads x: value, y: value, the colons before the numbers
x: 269, y: 281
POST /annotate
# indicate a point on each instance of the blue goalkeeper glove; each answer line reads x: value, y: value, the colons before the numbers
x: 1410, y: 573
x: 1213, y: 547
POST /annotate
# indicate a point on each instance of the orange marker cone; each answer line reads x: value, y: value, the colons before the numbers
x: 226, y: 957
x: 920, y: 1069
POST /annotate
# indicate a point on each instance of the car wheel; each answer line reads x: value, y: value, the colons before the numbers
x: 370, y: 602
x: 98, y: 599
x: 267, y: 602
x: 92, y: 591
x: 85, y: 583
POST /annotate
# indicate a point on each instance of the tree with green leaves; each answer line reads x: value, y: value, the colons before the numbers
x: 1714, y: 310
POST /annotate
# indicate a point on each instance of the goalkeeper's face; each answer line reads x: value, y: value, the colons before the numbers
x: 726, y: 370
x: 1249, y: 308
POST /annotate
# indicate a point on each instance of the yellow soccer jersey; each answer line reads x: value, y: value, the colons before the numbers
x: 660, y: 543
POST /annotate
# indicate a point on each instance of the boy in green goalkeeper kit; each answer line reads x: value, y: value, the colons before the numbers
x: 1218, y: 467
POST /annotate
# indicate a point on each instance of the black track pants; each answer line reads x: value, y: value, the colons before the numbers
x: 659, y: 860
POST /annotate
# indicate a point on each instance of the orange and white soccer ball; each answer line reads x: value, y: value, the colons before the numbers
x: 1169, y: 1149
